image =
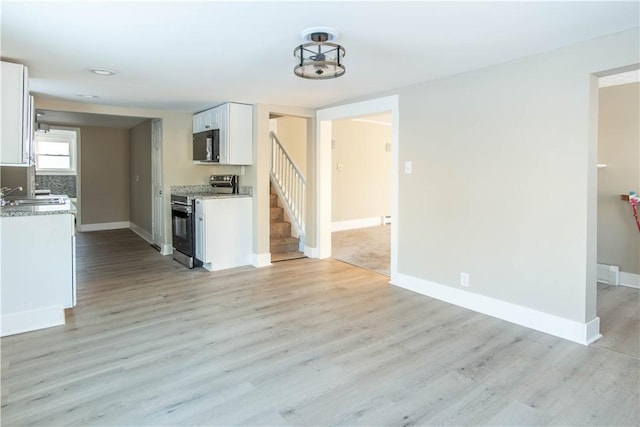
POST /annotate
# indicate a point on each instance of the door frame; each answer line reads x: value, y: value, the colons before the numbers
x: 324, y: 119
x: 157, y: 215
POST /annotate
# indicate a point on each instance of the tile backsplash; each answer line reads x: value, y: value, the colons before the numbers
x: 58, y: 184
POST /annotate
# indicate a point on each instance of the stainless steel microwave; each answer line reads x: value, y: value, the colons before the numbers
x: 206, y: 146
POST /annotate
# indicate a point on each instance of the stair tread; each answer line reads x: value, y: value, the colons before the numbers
x: 290, y: 239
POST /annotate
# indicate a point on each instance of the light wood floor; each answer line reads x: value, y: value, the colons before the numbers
x: 304, y: 342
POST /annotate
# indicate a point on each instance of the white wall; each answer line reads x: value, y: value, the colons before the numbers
x: 361, y: 187
x: 503, y: 183
x: 292, y: 134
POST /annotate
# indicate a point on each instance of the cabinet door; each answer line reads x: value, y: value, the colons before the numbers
x: 223, y: 120
x: 198, y: 122
x: 206, y: 118
x: 212, y: 118
x: 240, y: 130
x: 15, y: 115
x: 29, y: 145
x: 228, y: 232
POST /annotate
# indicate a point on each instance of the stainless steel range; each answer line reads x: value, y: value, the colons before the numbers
x: 183, y: 227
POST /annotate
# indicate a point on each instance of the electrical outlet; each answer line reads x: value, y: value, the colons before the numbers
x: 464, y: 279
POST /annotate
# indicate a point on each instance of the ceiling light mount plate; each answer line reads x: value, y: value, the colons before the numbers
x: 313, y: 34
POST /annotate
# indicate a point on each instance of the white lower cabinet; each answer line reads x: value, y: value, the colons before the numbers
x: 224, y: 232
x: 38, y: 271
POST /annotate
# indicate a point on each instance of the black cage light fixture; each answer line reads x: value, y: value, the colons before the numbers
x: 319, y: 59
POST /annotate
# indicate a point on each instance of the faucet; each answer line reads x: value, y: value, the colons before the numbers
x: 5, y: 191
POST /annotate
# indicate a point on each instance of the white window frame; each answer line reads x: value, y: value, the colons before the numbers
x: 73, y: 151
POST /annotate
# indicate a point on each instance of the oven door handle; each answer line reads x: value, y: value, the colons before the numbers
x: 181, y: 208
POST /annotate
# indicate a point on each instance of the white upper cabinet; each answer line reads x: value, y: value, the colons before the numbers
x: 236, y: 134
x: 16, y: 146
x: 198, y: 122
x: 212, y: 119
x: 206, y: 120
x: 235, y: 122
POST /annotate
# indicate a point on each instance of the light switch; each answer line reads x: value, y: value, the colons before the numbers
x: 408, y: 167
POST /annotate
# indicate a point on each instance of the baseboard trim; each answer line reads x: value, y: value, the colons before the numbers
x: 103, y: 226
x: 261, y: 260
x: 608, y: 274
x: 630, y: 280
x: 310, y: 252
x: 141, y: 232
x: 352, y: 224
x: 581, y: 333
x: 31, y: 320
x: 166, y: 250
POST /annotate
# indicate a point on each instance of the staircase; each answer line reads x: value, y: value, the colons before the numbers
x: 283, y: 245
x: 288, y: 194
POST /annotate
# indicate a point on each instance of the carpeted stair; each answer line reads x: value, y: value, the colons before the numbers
x: 283, y: 245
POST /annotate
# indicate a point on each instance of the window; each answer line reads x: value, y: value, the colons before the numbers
x: 56, y: 151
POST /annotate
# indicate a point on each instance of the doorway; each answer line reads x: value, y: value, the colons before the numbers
x: 324, y: 162
x: 157, y: 217
x: 618, y: 235
x: 288, y: 186
x: 361, y: 192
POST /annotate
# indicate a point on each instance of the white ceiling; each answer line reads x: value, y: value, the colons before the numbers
x: 192, y: 55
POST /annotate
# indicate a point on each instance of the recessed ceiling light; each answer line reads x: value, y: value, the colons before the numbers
x: 102, y: 72
x: 87, y: 96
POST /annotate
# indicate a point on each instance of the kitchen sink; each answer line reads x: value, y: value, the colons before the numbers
x: 37, y: 202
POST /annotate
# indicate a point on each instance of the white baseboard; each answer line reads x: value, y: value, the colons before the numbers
x: 611, y: 275
x: 103, y: 226
x: 608, y: 274
x: 352, y: 224
x: 630, y: 280
x: 141, y: 232
x: 166, y: 249
x: 582, y: 333
x: 261, y: 260
x: 310, y: 252
x: 31, y: 320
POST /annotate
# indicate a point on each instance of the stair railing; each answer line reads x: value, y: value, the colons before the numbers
x: 290, y: 185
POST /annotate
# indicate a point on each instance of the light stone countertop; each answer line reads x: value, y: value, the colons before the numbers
x: 202, y: 192
x: 25, y: 210
x: 208, y: 195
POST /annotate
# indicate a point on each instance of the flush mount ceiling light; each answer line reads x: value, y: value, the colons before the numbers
x: 319, y: 59
x: 102, y: 72
x: 87, y: 96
